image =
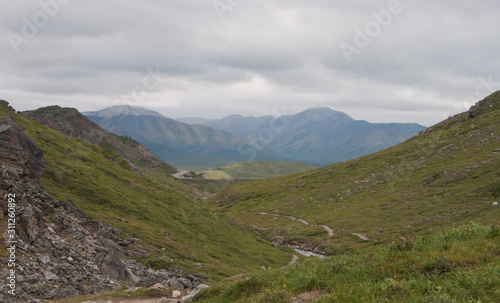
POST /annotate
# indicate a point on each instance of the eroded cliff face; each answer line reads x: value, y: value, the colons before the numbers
x: 55, y: 250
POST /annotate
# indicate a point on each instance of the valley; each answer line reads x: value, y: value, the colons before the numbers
x: 422, y: 210
x: 445, y: 176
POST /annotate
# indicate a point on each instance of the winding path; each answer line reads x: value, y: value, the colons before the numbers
x: 180, y: 175
x: 361, y: 236
x: 327, y: 228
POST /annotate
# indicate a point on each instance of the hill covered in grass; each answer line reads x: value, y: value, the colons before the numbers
x: 458, y: 265
x: 257, y: 170
x: 445, y: 176
x: 73, y: 124
x: 167, y: 218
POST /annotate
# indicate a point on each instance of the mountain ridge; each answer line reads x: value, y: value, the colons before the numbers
x: 118, y: 110
x: 144, y: 228
x: 447, y: 174
x: 184, y: 145
x: 73, y: 124
x: 317, y: 136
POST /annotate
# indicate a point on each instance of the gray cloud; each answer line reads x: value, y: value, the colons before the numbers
x: 432, y: 59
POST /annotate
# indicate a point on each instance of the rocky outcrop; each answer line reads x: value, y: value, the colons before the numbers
x: 75, y: 125
x: 59, y: 251
x: 492, y: 102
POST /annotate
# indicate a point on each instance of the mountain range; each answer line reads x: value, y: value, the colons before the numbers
x: 317, y: 136
x: 73, y: 124
x: 396, y: 223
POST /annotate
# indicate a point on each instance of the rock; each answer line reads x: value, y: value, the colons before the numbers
x: 61, y: 252
x: 473, y: 112
x: 186, y: 283
x: 193, y: 293
x: 175, y: 283
x: 72, y: 209
x: 494, y: 204
x: 176, y: 294
x: 131, y: 276
x: 157, y: 286
x: 49, y: 276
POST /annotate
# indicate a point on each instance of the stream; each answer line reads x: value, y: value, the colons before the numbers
x: 308, y: 253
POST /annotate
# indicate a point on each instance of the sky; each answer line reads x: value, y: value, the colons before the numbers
x: 377, y: 60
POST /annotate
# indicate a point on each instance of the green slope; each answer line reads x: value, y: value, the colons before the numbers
x: 459, y: 265
x: 445, y: 176
x: 168, y: 217
x: 71, y: 123
x: 258, y: 169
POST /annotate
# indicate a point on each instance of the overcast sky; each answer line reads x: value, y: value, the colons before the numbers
x: 377, y: 60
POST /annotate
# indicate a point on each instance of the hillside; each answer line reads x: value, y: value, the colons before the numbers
x: 318, y: 136
x: 73, y: 124
x: 445, y: 176
x: 161, y: 222
x: 182, y: 145
x: 458, y: 265
x: 256, y: 170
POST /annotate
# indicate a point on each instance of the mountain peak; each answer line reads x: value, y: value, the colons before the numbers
x: 118, y: 110
x: 322, y: 113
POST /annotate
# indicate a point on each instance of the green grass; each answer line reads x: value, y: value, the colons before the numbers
x: 458, y: 265
x: 169, y: 217
x: 257, y: 170
x: 216, y: 174
x: 446, y: 176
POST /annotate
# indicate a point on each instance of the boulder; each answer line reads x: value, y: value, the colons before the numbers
x: 193, y: 293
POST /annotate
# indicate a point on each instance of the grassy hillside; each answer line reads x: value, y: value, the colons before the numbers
x: 257, y: 170
x: 168, y: 217
x: 459, y: 265
x: 73, y: 124
x: 445, y: 176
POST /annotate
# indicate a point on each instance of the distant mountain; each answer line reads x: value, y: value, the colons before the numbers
x: 236, y: 124
x: 447, y: 175
x: 73, y: 124
x: 317, y: 136
x: 120, y: 110
x: 180, y: 144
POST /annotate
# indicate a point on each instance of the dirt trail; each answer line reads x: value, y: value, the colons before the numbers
x: 361, y: 236
x: 180, y: 175
x: 137, y: 300
x: 327, y: 228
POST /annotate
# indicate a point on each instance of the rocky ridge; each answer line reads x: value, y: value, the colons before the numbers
x: 60, y: 252
x: 73, y: 124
